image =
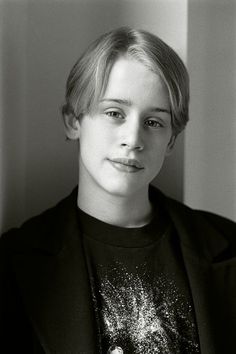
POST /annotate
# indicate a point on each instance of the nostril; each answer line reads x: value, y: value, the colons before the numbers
x: 140, y: 148
x: 132, y: 147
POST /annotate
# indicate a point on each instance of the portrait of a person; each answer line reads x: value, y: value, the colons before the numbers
x: 117, y: 266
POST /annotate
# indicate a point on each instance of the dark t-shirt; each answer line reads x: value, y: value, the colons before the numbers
x: 140, y: 290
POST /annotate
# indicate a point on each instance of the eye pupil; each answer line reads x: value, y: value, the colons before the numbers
x: 151, y: 123
x: 114, y: 114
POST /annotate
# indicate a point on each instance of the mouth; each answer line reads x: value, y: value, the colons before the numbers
x: 126, y: 165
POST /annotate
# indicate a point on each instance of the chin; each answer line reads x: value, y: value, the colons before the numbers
x: 122, y: 189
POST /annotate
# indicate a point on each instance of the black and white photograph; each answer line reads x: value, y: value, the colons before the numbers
x: 117, y: 176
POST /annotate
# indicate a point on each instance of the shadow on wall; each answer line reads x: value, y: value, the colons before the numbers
x: 41, y: 41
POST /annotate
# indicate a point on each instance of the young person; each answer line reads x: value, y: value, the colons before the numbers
x: 117, y: 267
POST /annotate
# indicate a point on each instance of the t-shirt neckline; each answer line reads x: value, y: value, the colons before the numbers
x: 122, y: 236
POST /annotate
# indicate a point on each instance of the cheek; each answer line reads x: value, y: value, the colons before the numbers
x: 95, y: 142
x: 158, y: 150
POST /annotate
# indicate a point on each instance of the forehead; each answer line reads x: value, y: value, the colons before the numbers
x: 131, y: 80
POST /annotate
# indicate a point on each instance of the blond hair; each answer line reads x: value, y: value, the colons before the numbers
x: 88, y: 78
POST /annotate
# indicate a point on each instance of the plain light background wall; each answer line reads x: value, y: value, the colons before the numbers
x: 210, y: 140
x: 40, y: 41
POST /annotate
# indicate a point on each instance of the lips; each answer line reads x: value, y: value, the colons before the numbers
x: 126, y: 165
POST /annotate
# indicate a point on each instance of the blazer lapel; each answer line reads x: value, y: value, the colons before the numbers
x: 53, y: 279
x: 199, y: 276
x: 210, y: 281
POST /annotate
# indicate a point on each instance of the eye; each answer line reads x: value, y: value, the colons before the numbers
x: 152, y: 123
x: 114, y: 114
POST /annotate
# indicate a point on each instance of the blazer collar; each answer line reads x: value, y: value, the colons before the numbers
x: 195, y: 232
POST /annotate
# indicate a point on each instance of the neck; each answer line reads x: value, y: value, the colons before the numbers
x: 123, y: 211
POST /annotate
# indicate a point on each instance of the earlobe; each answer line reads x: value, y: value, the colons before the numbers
x: 72, y: 126
x: 170, y: 145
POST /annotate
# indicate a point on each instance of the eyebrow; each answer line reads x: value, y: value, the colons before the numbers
x: 128, y: 103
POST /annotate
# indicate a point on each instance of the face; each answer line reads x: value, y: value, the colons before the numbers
x: 124, y: 140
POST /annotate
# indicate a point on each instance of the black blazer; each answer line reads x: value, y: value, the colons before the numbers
x: 45, y: 298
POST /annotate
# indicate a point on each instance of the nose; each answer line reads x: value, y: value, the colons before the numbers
x: 131, y: 137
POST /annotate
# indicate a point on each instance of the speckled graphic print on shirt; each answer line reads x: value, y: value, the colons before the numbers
x: 141, y: 317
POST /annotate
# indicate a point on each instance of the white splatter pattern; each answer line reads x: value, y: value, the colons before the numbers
x: 146, y: 318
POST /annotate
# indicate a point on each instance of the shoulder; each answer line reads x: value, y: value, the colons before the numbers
x: 198, y: 226
x: 222, y: 224
x: 205, y: 230
x: 40, y: 230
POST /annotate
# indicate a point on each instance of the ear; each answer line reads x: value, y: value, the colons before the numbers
x: 72, y: 126
x: 170, y: 145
